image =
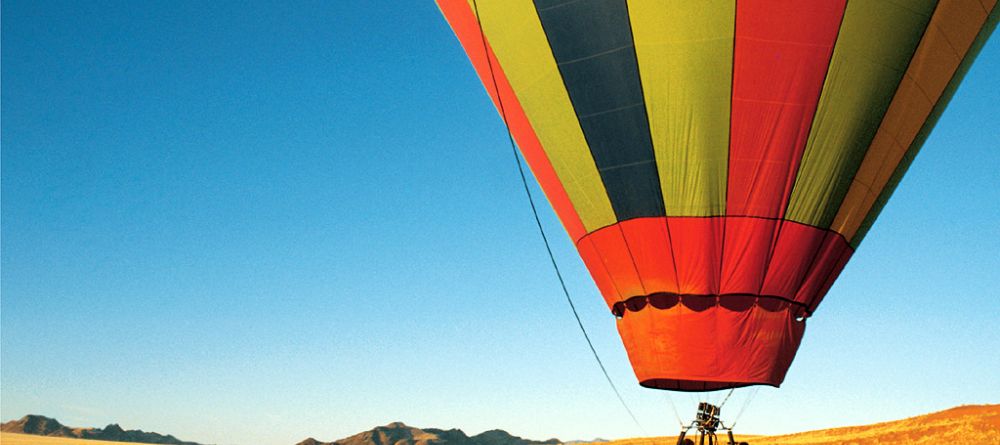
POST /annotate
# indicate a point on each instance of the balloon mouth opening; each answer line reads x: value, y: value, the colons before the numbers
x: 697, y: 385
x: 703, y: 302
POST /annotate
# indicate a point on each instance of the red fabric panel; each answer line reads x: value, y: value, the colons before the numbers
x: 805, y: 261
x: 814, y: 300
x: 793, y: 254
x: 613, y: 254
x: 828, y: 265
x: 747, y: 243
x: 649, y: 242
x: 463, y: 21
x: 592, y: 258
x: 697, y: 247
x: 781, y: 54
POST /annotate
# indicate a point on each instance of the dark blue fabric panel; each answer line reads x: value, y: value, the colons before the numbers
x: 592, y: 44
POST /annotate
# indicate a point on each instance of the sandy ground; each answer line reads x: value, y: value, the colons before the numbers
x: 30, y: 439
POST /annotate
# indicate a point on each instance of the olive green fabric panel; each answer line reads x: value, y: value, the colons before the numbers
x: 685, y: 54
x: 876, y: 41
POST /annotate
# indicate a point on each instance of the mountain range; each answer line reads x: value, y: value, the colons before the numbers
x: 46, y: 426
x: 963, y: 425
x: 398, y: 433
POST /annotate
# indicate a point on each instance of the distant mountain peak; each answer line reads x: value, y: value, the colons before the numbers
x: 579, y: 442
x: 47, y: 426
x: 36, y: 424
x: 399, y: 433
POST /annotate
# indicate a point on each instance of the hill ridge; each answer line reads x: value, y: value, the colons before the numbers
x: 398, y: 433
x: 39, y: 425
x: 961, y: 425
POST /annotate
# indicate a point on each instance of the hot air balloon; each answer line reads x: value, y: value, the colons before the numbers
x: 716, y: 163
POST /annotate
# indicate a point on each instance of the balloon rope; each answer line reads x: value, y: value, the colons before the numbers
x: 727, y: 398
x: 541, y: 230
x: 746, y: 403
x: 674, y: 409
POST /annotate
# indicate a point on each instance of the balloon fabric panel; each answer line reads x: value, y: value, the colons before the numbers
x: 685, y: 54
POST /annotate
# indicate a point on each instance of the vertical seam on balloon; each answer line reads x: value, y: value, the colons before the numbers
x: 631, y: 257
x: 729, y: 148
x: 911, y: 152
x: 788, y: 199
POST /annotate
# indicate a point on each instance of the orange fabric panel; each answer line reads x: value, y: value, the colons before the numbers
x: 687, y: 350
x: 463, y: 21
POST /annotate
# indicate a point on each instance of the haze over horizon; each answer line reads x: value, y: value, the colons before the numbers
x: 306, y: 220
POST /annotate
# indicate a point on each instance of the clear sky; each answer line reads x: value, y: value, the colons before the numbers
x: 253, y: 223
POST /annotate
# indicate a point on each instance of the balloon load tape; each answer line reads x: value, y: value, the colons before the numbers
x: 701, y: 302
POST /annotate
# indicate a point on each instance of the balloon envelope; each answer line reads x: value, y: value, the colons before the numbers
x: 716, y: 163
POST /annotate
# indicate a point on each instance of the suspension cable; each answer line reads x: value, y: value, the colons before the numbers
x: 538, y: 222
x: 727, y: 397
x: 673, y: 408
x: 746, y: 403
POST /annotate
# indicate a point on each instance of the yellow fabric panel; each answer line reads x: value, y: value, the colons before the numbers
x: 685, y: 55
x: 876, y: 41
x: 516, y: 36
x: 950, y: 34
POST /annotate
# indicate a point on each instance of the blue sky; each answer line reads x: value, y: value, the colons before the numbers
x: 257, y: 223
